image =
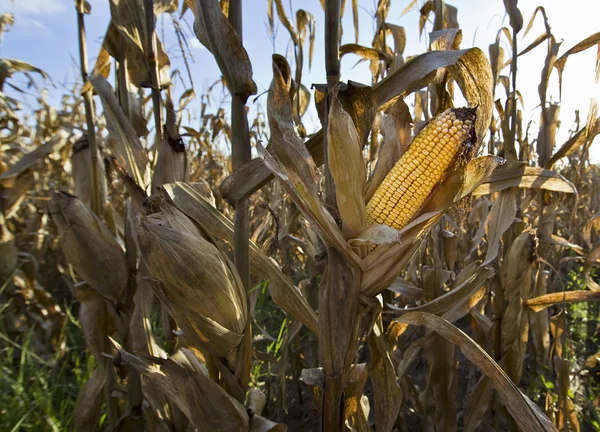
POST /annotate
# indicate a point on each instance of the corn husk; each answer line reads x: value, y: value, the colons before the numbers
x: 8, y: 252
x: 199, y: 284
x: 82, y: 170
x: 89, y: 246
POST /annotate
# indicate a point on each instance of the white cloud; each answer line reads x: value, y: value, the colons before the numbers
x: 33, y: 6
x: 195, y: 44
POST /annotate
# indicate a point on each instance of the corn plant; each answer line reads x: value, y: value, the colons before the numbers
x: 325, y: 283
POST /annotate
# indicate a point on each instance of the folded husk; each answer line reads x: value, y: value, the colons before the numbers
x: 200, y: 285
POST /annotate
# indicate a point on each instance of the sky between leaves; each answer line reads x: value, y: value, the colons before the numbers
x: 45, y: 35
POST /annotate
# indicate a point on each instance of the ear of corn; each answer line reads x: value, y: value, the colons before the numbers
x: 410, y: 182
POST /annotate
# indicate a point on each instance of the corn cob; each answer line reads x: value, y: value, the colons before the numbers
x: 410, y: 182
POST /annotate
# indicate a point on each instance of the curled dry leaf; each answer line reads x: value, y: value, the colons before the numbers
x: 542, y: 302
x: 125, y: 143
x: 515, y: 175
x: 292, y: 164
x: 453, y: 298
x: 217, y: 34
x: 396, y: 128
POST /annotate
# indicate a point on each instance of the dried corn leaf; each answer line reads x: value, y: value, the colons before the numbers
x: 515, y: 175
x: 523, y: 410
x: 30, y: 159
x: 125, y: 143
x: 500, y: 219
x: 216, y: 33
x: 453, y: 298
x: 366, y: 53
x: 387, y: 392
x: 86, y: 414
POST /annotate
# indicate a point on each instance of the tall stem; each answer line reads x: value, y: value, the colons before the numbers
x: 333, y: 396
x: 153, y: 67
x: 97, y: 204
x: 511, y: 152
x: 240, y: 155
x: 332, y: 68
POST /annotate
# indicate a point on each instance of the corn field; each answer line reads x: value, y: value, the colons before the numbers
x: 419, y: 256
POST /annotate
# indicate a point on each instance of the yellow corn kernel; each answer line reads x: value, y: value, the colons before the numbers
x: 410, y: 182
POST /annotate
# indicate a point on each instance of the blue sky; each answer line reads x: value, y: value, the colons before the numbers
x: 45, y: 35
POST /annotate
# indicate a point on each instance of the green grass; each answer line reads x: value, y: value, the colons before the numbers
x: 38, y: 392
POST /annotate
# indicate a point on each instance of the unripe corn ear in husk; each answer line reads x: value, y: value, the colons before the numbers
x: 89, y: 246
x: 82, y: 173
x: 426, y: 162
x: 202, y: 288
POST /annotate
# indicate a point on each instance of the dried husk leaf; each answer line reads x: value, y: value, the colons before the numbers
x: 347, y: 169
x: 294, y: 166
x: 89, y: 246
x: 546, y: 140
x: 171, y: 164
x: 200, y: 285
x: 338, y: 319
x: 396, y: 126
x: 95, y: 321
